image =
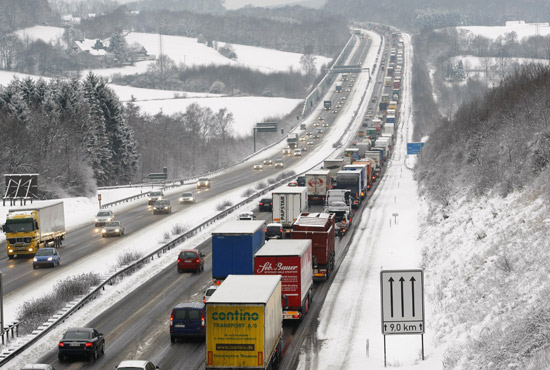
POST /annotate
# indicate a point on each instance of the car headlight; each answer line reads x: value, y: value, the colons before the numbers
x: 181, y: 199
x: 96, y: 220
x: 35, y: 259
x: 117, y: 230
x: 104, y: 230
x: 49, y: 258
x: 165, y: 207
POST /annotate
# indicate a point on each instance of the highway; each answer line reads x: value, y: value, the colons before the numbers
x: 137, y: 326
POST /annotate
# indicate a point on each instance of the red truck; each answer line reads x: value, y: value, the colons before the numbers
x: 320, y: 228
x: 292, y: 259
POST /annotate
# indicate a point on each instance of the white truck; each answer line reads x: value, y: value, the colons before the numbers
x: 288, y: 203
x: 317, y: 183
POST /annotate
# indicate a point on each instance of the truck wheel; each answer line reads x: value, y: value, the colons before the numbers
x: 11, y: 257
x: 306, y: 309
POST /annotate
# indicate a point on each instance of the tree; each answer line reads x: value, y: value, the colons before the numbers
x: 307, y: 61
x: 162, y: 72
x: 118, y: 47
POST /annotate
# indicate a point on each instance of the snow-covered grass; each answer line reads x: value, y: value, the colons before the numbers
x: 47, y: 34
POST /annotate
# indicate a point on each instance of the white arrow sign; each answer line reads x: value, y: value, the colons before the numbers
x: 402, y: 296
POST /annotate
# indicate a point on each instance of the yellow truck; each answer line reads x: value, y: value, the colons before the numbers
x: 244, y: 323
x: 31, y: 227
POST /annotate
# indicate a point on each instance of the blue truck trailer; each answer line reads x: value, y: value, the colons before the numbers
x: 233, y: 247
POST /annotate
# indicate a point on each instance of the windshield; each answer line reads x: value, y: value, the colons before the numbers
x: 187, y: 195
x: 155, y: 193
x: 44, y: 252
x: 76, y: 335
x: 273, y: 229
x: 113, y: 224
x: 103, y: 214
x: 188, y: 255
x: 129, y: 368
x: 339, y: 216
x: 19, y: 225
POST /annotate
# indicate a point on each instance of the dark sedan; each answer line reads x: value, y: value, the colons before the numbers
x: 81, y: 342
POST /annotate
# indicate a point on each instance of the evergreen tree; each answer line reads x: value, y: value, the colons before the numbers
x: 118, y: 46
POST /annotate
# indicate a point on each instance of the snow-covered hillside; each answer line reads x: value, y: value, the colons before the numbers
x: 522, y: 30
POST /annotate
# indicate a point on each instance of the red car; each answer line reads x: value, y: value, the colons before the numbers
x: 190, y: 260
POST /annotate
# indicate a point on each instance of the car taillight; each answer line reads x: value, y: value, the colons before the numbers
x: 171, y: 319
x: 179, y: 260
x: 198, y: 260
x: 89, y: 344
x: 61, y: 344
x: 202, y: 320
x: 265, y: 230
x: 281, y: 230
x: 203, y: 299
x: 261, y: 204
x: 271, y: 203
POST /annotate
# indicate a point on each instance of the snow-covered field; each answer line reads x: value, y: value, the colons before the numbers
x: 521, y: 29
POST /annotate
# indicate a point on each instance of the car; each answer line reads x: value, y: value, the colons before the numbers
x: 317, y: 136
x: 316, y: 124
x: 321, y: 118
x: 301, y: 180
x: 274, y: 231
x: 279, y: 163
x: 297, y: 152
x: 103, y: 216
x: 325, y: 124
x: 112, y: 228
x: 348, y: 90
x: 320, y: 131
x: 258, y: 167
x: 188, y: 320
x: 162, y: 206
x: 136, y: 365
x: 46, y: 257
x: 203, y: 182
x: 292, y: 184
x: 268, y: 162
x: 286, y: 151
x: 190, y: 260
x: 81, y: 342
x: 308, y: 133
x: 187, y: 197
x: 37, y: 367
x: 247, y: 216
x: 208, y: 293
x: 302, y: 138
x: 154, y: 196
x: 304, y: 148
x: 266, y: 205
x: 309, y: 142
x: 373, y: 100
x: 338, y: 105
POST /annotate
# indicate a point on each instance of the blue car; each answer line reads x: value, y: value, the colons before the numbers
x: 46, y: 257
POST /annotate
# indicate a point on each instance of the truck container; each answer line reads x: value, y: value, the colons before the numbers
x: 35, y: 226
x: 292, y: 140
x: 333, y: 165
x: 338, y: 195
x: 389, y: 71
x: 389, y: 128
x: 395, y: 95
x: 377, y: 157
x: 383, y: 155
x: 390, y: 112
x: 377, y: 123
x: 351, y: 180
x: 397, y: 83
x: 302, y: 126
x: 292, y: 259
x: 388, y: 80
x: 244, y: 323
x: 327, y: 104
x: 385, y: 98
x: 370, y: 165
x: 392, y: 105
x: 317, y: 183
x: 352, y: 153
x: 390, y: 118
x: 382, y: 107
x: 233, y: 247
x: 288, y: 203
x: 389, y: 136
x: 319, y: 227
x: 363, y: 146
x: 362, y: 168
x: 372, y: 134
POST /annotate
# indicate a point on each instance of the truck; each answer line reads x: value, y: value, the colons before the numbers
x: 233, y: 247
x: 333, y: 165
x: 327, y: 104
x: 338, y: 196
x: 377, y: 156
x: 390, y: 118
x: 383, y: 155
x: 292, y: 259
x: 338, y: 88
x: 317, y: 183
x: 292, y: 140
x: 244, y: 323
x: 350, y: 180
x: 363, y: 146
x: 288, y: 203
x: 352, y: 153
x: 370, y: 165
x: 388, y: 81
x: 362, y: 168
x: 320, y: 228
x: 389, y: 128
x: 29, y: 228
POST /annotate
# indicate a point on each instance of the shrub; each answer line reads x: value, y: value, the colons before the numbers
x: 179, y: 229
x: 223, y: 205
x: 128, y: 257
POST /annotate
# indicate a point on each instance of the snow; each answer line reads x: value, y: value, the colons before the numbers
x: 523, y: 30
x: 348, y: 335
x: 236, y: 4
x: 47, y: 34
x: 477, y: 64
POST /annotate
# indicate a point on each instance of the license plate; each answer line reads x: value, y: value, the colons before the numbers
x: 180, y: 325
x: 74, y: 344
x: 188, y: 261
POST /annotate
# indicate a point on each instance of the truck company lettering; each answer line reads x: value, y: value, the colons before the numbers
x: 282, y: 208
x: 279, y: 267
x: 236, y: 316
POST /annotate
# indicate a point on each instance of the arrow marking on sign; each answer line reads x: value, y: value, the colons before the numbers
x: 412, y: 287
x: 391, y: 295
x: 402, y: 298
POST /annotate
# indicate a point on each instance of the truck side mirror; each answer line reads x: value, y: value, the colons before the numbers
x: 285, y: 299
x: 314, y: 262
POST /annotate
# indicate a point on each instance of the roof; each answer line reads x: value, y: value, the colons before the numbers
x: 287, y: 247
x: 239, y: 227
x: 285, y: 189
x: 313, y: 219
x: 318, y: 171
x: 36, y: 205
x: 197, y: 305
x: 132, y: 363
x: 245, y: 289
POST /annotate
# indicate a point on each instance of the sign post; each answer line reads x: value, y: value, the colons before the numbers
x: 99, y: 199
x: 402, y: 300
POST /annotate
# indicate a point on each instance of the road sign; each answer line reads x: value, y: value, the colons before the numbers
x: 157, y: 176
x: 414, y: 148
x: 402, y: 297
x: 266, y: 127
